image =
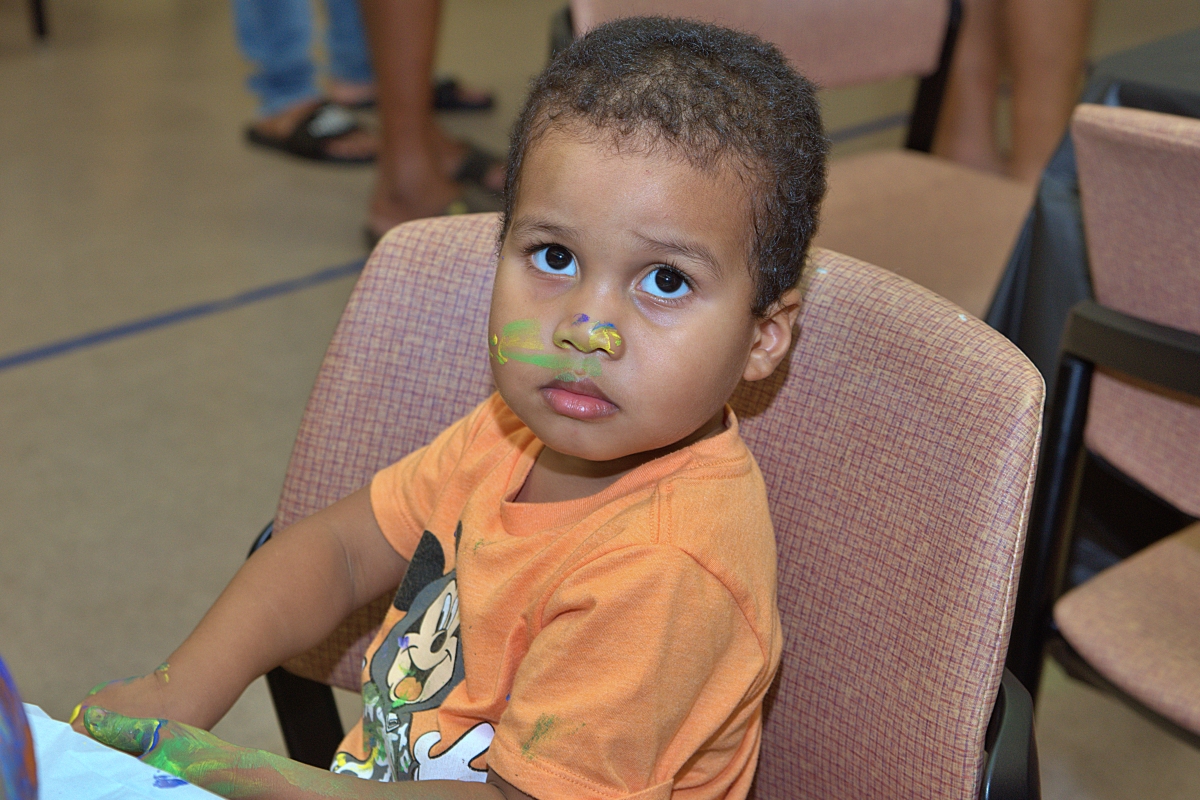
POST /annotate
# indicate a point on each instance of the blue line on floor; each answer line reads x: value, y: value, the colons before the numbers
x: 872, y: 126
x: 184, y: 314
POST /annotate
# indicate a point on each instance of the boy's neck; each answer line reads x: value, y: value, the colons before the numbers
x: 557, y: 477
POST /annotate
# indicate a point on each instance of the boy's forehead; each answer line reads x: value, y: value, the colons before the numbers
x: 737, y: 183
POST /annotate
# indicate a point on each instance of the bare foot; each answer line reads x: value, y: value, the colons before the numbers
x: 355, y: 144
x: 398, y: 200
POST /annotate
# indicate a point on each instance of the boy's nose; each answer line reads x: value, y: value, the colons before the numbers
x: 588, y: 335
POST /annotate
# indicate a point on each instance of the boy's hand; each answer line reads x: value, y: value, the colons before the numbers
x: 190, y: 753
x: 142, y: 696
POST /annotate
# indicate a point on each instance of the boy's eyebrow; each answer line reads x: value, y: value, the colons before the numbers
x: 694, y: 252
x: 526, y: 226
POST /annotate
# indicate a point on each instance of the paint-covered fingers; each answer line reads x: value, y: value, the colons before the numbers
x: 190, y: 753
x: 128, y: 734
x: 133, y: 697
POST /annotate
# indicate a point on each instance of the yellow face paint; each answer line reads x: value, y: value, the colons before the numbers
x: 522, y: 334
x: 517, y: 338
x: 604, y: 336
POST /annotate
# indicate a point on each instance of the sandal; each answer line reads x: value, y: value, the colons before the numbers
x: 475, y: 166
x: 448, y: 96
x: 311, y: 136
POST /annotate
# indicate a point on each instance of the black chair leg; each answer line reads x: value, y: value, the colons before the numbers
x: 923, y: 123
x: 38, y: 11
x: 308, y: 717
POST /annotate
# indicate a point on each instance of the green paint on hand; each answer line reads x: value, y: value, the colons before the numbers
x: 127, y: 734
x: 201, y: 758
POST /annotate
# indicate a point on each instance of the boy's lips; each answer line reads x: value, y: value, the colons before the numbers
x: 577, y: 399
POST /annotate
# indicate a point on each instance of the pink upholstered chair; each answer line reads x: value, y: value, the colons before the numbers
x: 939, y: 224
x: 897, y: 443
x: 1129, y: 390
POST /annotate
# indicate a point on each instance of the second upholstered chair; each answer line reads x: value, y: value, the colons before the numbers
x: 1129, y: 391
x: 942, y: 225
x: 897, y: 444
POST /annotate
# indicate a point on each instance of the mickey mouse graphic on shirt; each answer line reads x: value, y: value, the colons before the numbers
x: 416, y: 666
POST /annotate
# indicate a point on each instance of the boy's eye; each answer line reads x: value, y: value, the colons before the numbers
x: 554, y: 259
x: 665, y: 282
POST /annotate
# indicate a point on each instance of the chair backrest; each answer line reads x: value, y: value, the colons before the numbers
x: 1139, y: 182
x: 404, y: 363
x: 898, y: 449
x: 897, y: 444
x: 833, y: 42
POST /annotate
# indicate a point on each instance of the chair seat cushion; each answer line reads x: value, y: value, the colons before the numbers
x: 944, y: 226
x: 1138, y: 624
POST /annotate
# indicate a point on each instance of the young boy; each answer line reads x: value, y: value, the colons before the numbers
x: 586, y: 563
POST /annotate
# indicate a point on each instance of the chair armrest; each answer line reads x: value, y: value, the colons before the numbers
x: 1165, y: 356
x: 1010, y: 770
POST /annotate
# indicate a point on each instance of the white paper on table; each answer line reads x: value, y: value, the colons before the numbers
x: 73, y: 767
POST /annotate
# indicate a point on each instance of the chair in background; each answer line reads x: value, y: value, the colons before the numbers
x: 937, y: 223
x: 898, y: 447
x: 1128, y: 389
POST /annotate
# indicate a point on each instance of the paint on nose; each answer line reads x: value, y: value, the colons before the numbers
x: 580, y: 319
x: 604, y: 337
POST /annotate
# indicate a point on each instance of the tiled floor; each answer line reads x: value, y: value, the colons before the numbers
x: 134, y: 473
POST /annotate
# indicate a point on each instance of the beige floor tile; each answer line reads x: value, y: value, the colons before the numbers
x: 133, y: 474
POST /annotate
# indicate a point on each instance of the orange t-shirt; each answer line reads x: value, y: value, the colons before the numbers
x: 618, y: 645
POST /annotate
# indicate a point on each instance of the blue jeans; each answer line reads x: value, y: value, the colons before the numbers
x: 277, y: 36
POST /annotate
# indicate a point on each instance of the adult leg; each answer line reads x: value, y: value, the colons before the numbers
x: 1047, y: 43
x: 410, y: 182
x: 276, y: 35
x: 351, y: 81
x: 966, y: 130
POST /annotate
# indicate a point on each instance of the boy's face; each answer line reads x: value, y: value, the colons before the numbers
x: 620, y: 319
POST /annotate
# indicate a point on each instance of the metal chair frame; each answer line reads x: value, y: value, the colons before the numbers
x: 1095, y: 336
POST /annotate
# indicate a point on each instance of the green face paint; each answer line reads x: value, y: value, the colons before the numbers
x: 526, y: 334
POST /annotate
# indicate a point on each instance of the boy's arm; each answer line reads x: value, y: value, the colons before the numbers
x: 285, y: 599
x: 241, y: 774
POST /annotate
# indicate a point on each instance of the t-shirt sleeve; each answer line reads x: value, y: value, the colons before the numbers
x: 644, y: 660
x: 403, y: 494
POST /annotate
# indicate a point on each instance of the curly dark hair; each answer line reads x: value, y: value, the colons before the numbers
x: 715, y: 96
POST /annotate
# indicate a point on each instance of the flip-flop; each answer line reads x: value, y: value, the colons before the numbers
x: 311, y: 136
x: 475, y: 166
x: 447, y: 96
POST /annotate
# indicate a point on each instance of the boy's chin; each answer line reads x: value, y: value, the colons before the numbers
x: 604, y: 453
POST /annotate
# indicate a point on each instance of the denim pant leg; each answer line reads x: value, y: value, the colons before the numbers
x: 276, y: 35
x: 346, y: 42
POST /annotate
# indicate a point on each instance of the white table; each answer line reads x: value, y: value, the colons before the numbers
x: 73, y: 767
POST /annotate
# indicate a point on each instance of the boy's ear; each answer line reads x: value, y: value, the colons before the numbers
x: 772, y: 336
